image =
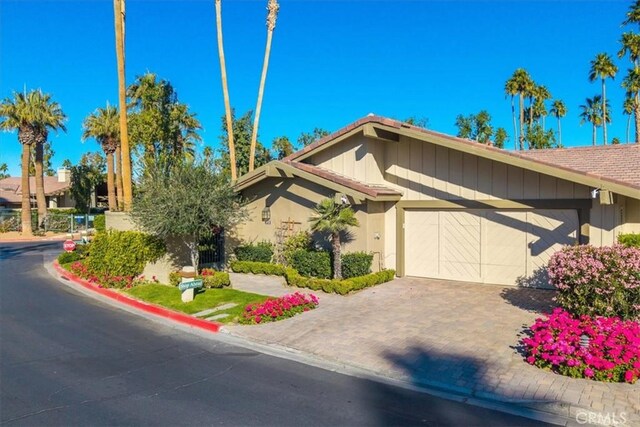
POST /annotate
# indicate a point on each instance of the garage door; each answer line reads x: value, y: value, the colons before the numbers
x: 489, y: 246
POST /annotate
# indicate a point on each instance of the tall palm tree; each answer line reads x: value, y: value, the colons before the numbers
x: 602, y: 67
x: 521, y: 84
x: 633, y: 15
x: 630, y: 44
x: 631, y: 83
x: 333, y: 218
x: 225, y: 93
x: 125, y: 151
x: 539, y: 110
x: 273, y: 7
x: 32, y: 114
x: 558, y: 110
x: 103, y: 125
x: 511, y: 89
x: 591, y: 111
x: 118, y: 176
x: 628, y: 108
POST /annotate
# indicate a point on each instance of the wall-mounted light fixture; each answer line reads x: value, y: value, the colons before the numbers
x: 266, y: 215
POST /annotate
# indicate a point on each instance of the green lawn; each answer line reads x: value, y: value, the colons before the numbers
x: 169, y: 297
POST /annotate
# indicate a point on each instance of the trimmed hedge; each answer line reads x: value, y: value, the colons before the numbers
x: 261, y: 252
x: 356, y: 264
x: 293, y: 278
x: 629, y: 239
x: 123, y: 253
x: 99, y: 223
x: 312, y: 263
x: 210, y: 278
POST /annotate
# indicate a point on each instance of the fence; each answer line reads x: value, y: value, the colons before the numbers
x: 211, y: 250
x: 56, y: 222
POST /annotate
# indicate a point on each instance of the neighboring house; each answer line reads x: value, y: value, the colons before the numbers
x: 432, y: 205
x: 56, y: 190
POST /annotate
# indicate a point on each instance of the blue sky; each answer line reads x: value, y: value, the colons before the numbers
x: 332, y: 62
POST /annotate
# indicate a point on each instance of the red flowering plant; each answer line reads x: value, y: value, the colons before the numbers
x: 600, y: 348
x: 104, y: 280
x: 278, y: 308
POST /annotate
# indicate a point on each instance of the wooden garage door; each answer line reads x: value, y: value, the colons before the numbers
x: 488, y: 246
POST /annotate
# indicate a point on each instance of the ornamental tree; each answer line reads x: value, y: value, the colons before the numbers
x: 186, y: 200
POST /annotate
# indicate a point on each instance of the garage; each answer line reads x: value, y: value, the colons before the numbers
x: 484, y: 245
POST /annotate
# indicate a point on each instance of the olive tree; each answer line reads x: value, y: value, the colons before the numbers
x: 186, y: 200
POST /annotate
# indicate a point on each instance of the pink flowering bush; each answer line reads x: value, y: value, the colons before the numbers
x: 279, y: 308
x: 597, y: 281
x: 105, y: 280
x: 612, y: 352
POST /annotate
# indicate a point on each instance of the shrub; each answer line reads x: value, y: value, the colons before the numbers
x: 210, y: 278
x: 293, y: 278
x: 356, y: 264
x: 67, y: 257
x: 278, y: 308
x: 597, y: 281
x: 629, y: 239
x: 296, y: 242
x: 312, y: 263
x: 261, y: 252
x: 99, y: 223
x: 123, y: 253
x: 612, y: 353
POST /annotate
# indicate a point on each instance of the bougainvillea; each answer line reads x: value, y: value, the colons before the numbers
x: 601, y: 348
x: 597, y: 281
x: 279, y: 308
x: 105, y: 280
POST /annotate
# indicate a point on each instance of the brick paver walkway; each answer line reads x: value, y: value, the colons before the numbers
x: 455, y: 335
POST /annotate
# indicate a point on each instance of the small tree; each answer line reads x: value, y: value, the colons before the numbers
x: 85, y: 176
x: 187, y: 200
x: 333, y: 218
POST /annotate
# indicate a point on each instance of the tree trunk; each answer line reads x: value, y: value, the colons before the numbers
x: 515, y: 126
x: 194, y: 254
x: 119, y: 196
x: 111, y: 190
x: 628, y: 127
x: 593, y: 135
x: 559, y: 133
x: 118, y: 8
x: 225, y: 93
x: 521, y: 106
x: 636, y: 115
x: 41, y: 200
x: 26, y: 192
x: 604, y: 113
x: 256, y: 120
x: 337, y: 258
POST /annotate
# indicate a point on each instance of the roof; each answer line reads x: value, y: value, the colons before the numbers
x: 11, y: 188
x: 614, y: 168
x: 615, y: 162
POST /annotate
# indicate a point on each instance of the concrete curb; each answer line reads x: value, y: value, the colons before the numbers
x: 155, y: 310
x: 35, y: 240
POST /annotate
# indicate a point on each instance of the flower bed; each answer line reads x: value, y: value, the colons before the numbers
x: 80, y: 269
x: 611, y: 354
x: 278, y: 308
x: 210, y: 278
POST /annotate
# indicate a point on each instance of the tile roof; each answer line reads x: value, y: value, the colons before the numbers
x: 372, y: 190
x: 11, y: 188
x: 613, y: 162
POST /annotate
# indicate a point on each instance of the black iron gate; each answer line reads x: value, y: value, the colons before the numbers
x: 211, y: 248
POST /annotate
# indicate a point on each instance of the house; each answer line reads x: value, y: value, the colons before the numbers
x: 56, y: 190
x: 432, y: 205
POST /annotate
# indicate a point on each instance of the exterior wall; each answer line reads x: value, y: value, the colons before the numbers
x: 294, y: 200
x: 607, y: 221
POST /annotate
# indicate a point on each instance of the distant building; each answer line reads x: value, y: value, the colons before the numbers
x: 56, y: 190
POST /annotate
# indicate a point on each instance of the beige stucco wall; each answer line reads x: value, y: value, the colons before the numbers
x: 176, y: 257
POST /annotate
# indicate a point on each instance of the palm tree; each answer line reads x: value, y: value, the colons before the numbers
x: 628, y: 108
x: 273, y: 7
x: 521, y: 84
x: 511, y: 89
x: 333, y: 218
x: 225, y: 93
x: 539, y: 110
x: 103, y: 126
x: 558, y: 110
x: 602, y: 67
x: 33, y: 114
x: 630, y: 43
x: 591, y: 112
x: 631, y: 83
x: 127, y: 190
x: 633, y: 15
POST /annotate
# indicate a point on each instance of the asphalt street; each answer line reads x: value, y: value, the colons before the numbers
x: 69, y: 359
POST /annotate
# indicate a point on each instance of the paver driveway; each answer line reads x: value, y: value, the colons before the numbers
x: 457, y: 335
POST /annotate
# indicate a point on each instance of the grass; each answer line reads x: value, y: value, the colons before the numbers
x: 169, y: 297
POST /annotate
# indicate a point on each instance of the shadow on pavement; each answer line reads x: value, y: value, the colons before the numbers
x: 529, y: 299
x: 12, y: 250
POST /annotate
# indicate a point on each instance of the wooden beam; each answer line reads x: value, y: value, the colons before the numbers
x: 374, y: 132
x: 496, y: 204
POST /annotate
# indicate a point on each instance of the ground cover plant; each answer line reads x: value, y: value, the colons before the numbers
x: 210, y: 278
x: 169, y: 297
x: 595, y: 333
x: 274, y: 309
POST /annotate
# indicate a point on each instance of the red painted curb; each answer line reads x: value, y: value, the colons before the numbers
x: 140, y: 305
